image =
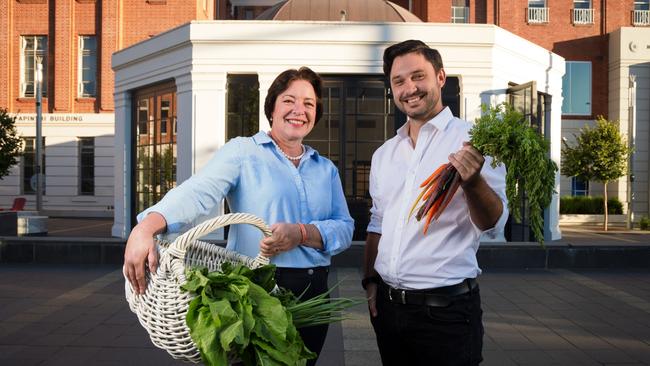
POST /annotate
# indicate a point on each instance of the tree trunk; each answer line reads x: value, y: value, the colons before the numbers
x: 605, y: 203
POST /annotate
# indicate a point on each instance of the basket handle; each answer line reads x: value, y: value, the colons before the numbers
x: 179, y: 246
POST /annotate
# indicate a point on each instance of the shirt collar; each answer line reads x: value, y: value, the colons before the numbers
x: 440, y: 122
x: 262, y: 138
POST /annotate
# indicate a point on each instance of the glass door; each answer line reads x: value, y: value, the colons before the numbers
x: 154, y: 146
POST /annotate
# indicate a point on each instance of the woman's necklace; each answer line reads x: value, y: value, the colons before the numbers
x: 292, y: 158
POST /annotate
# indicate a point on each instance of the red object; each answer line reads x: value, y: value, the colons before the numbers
x: 19, y: 204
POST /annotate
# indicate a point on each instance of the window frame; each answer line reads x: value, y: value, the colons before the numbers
x: 24, y: 83
x: 566, y: 95
x: 85, y: 149
x: 579, y: 192
x: 638, y: 3
x: 455, y: 6
x: 80, y: 67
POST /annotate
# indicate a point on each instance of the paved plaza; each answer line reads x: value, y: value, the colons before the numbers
x: 73, y: 315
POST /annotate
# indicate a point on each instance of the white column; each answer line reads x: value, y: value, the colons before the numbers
x: 201, y: 113
x: 556, y: 140
x: 265, y: 80
x: 122, y: 166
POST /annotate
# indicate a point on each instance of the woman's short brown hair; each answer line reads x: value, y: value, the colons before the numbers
x: 281, y: 83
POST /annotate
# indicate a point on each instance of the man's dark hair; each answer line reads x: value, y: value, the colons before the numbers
x: 281, y: 83
x: 411, y: 46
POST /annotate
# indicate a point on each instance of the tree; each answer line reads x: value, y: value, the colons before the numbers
x: 600, y: 154
x: 10, y: 143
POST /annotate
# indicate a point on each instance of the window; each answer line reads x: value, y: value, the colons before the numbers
x: 154, y: 149
x: 576, y: 88
x: 641, y: 12
x: 583, y: 12
x: 87, y: 77
x: 29, y: 165
x: 579, y: 187
x: 460, y: 11
x: 33, y: 50
x: 242, y: 118
x: 582, y: 4
x: 537, y: 11
x: 86, y: 166
x: 143, y: 116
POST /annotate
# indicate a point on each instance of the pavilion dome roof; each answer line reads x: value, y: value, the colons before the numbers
x: 339, y: 10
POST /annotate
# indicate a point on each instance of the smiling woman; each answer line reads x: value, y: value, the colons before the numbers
x: 272, y: 176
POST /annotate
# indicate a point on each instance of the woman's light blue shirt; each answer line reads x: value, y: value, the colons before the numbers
x: 255, y: 178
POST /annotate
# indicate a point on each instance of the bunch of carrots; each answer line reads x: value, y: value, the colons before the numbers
x: 437, y: 191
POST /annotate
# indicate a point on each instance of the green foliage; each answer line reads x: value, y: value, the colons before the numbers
x: 583, y: 205
x: 10, y: 143
x: 502, y: 133
x: 232, y: 316
x: 644, y: 223
x: 600, y: 153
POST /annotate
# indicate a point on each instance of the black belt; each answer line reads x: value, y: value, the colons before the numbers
x: 309, y: 271
x: 440, y: 296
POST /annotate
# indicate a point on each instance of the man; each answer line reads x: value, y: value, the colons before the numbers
x: 422, y: 293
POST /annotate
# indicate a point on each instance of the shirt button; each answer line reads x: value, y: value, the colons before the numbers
x: 310, y: 271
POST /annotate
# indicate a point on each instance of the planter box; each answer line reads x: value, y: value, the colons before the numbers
x: 8, y: 223
x: 592, y: 219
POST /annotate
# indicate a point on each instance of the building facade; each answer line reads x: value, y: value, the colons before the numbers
x: 216, y: 73
x: 74, y: 42
x: 604, y: 43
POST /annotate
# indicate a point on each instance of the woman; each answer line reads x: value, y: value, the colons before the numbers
x: 273, y: 176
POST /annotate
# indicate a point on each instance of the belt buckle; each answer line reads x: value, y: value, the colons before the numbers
x: 402, y: 295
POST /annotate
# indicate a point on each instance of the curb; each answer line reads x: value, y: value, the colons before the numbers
x: 110, y: 251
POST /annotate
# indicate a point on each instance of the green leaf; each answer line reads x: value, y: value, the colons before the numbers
x: 503, y: 133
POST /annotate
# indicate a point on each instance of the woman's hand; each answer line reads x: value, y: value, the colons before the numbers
x: 284, y: 238
x: 141, y: 249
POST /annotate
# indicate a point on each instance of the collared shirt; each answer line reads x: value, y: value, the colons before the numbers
x: 256, y: 178
x: 446, y: 254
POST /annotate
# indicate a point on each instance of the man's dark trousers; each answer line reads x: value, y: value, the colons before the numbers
x: 413, y: 335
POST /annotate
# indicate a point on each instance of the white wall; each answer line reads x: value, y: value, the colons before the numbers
x: 61, y: 132
x: 629, y: 55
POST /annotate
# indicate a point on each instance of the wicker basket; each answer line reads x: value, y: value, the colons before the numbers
x: 162, y: 308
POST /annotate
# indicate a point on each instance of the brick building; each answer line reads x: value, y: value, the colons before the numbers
x: 74, y: 40
x: 602, y: 47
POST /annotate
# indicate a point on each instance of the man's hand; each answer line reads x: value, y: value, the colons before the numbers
x: 285, y: 237
x: 371, y: 295
x: 468, y: 162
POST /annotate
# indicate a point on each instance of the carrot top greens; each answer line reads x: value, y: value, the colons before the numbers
x: 502, y: 133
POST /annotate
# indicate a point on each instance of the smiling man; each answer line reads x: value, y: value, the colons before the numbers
x: 422, y: 292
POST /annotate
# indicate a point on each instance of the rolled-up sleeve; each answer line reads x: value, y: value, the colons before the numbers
x: 198, y: 195
x: 337, y: 230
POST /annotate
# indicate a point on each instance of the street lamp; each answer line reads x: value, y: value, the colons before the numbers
x: 39, y: 139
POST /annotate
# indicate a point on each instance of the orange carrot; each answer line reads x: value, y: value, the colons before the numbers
x: 433, y: 175
x: 424, y: 191
x: 450, y: 194
x: 427, y: 222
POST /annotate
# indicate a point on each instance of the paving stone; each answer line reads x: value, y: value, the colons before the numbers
x: 536, y: 317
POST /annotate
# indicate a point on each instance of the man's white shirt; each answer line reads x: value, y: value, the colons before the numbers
x: 446, y: 254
